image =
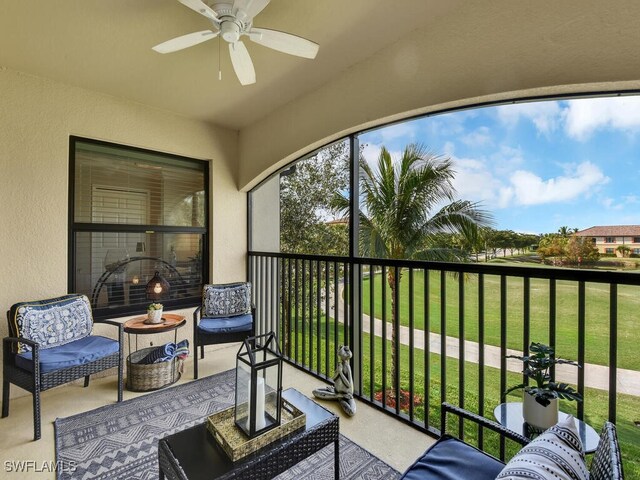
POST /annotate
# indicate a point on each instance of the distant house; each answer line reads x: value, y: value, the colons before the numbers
x: 608, y: 238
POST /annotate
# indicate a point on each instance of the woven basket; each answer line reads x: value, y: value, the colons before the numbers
x: 146, y: 377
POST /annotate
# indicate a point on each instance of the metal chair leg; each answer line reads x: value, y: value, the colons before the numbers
x: 201, y: 351
x: 120, y: 379
x: 195, y: 364
x: 6, y: 386
x: 86, y: 381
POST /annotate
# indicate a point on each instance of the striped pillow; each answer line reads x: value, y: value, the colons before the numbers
x: 557, y: 454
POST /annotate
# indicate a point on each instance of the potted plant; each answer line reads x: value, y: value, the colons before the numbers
x: 154, y: 313
x: 540, y: 399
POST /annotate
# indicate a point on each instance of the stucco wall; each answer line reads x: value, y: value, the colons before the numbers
x: 485, y: 50
x: 36, y: 118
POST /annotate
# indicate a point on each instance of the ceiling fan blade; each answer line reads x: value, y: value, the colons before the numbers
x: 188, y: 40
x: 200, y: 7
x: 284, y: 42
x: 242, y: 63
x: 248, y: 8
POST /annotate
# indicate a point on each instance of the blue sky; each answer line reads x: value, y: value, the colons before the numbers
x: 536, y: 166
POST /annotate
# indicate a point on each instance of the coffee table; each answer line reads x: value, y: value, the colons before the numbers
x: 193, y: 454
x: 510, y: 415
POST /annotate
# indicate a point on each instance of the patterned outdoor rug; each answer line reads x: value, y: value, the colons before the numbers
x: 120, y: 441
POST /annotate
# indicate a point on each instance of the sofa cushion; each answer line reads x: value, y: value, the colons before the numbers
x: 557, y: 454
x: 79, y: 352
x: 226, y: 300
x: 52, y: 322
x: 452, y: 459
x: 239, y: 323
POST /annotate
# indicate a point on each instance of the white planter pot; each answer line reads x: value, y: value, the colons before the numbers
x: 538, y: 416
x: 154, y: 316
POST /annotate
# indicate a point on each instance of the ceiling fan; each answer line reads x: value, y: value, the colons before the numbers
x: 231, y: 21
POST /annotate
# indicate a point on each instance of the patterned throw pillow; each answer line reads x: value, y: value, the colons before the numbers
x: 556, y: 454
x: 226, y: 300
x: 52, y: 322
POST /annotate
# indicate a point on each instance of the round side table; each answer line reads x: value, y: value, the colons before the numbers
x: 510, y: 415
x: 170, y: 321
x: 146, y: 377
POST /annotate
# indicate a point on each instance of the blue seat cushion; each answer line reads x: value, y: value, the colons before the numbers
x: 452, y: 459
x: 80, y: 352
x: 239, y: 323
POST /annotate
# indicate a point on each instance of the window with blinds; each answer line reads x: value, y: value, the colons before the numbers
x: 136, y: 212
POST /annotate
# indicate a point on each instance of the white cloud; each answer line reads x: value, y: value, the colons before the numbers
x: 449, y: 149
x: 505, y: 197
x: 507, y: 159
x: 527, y: 188
x: 474, y: 181
x: 478, y: 138
x: 448, y: 124
x: 607, y: 202
x: 545, y: 116
x: 585, y: 116
x: 371, y: 152
x: 579, y: 118
x: 405, y: 130
x: 625, y: 202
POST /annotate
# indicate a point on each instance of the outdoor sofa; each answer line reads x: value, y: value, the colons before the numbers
x: 452, y: 459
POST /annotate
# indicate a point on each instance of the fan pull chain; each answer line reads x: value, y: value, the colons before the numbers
x: 219, y: 69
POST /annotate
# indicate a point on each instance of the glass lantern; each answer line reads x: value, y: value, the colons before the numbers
x: 258, y: 385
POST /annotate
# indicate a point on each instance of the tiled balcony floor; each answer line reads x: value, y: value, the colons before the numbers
x: 390, y: 440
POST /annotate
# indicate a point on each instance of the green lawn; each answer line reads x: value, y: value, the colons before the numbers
x: 597, y: 313
x: 596, y: 401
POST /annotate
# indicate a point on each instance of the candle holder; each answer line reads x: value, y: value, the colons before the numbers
x: 258, y: 385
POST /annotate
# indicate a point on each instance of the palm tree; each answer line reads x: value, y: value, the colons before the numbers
x: 565, y: 231
x: 403, y: 205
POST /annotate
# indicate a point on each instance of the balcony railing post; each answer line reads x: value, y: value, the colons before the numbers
x: 613, y: 350
x: 355, y: 270
x: 355, y: 325
x: 581, y: 345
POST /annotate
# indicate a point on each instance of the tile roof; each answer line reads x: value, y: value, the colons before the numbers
x: 611, y: 231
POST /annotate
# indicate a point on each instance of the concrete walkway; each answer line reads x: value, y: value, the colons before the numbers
x: 595, y: 376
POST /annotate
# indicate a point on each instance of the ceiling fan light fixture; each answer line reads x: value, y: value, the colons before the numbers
x: 230, y: 31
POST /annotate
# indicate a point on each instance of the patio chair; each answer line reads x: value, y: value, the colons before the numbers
x: 452, y: 459
x: 225, y: 316
x: 51, y: 344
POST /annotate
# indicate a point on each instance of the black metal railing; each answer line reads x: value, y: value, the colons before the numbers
x: 391, y: 311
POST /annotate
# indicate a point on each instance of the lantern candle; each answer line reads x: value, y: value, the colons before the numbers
x: 260, y: 398
x: 260, y: 420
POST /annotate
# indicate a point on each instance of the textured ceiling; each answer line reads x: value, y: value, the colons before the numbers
x: 105, y: 46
